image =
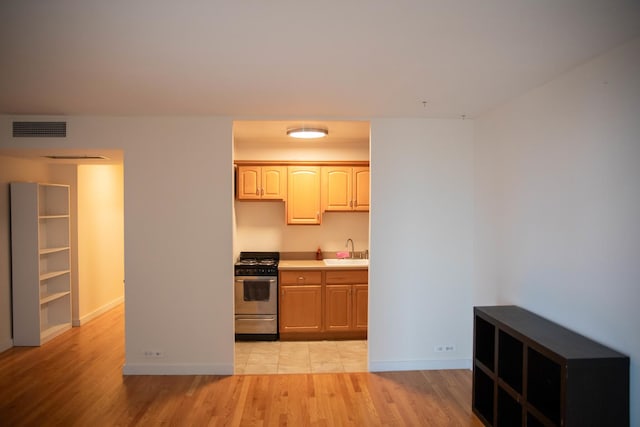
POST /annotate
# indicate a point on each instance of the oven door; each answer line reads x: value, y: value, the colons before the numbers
x: 256, y: 295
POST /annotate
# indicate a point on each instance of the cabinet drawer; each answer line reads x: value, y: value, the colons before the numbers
x: 301, y: 277
x: 348, y: 276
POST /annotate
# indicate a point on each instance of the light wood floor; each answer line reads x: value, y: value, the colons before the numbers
x: 76, y: 380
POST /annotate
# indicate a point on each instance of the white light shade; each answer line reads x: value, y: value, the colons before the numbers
x: 307, y: 133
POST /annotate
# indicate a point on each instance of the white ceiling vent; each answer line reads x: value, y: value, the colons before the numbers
x: 39, y: 129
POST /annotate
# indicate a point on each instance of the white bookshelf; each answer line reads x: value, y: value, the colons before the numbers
x: 41, y: 262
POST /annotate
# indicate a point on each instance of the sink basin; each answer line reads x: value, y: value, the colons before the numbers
x: 346, y: 261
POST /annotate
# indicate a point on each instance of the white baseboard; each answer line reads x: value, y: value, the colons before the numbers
x: 6, y: 345
x: 95, y: 313
x: 419, y: 365
x: 176, y: 369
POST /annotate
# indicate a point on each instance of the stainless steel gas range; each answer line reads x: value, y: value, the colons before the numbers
x: 256, y: 296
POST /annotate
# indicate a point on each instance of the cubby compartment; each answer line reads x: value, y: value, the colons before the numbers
x: 53, y: 200
x: 483, y: 391
x: 54, y: 287
x: 53, y: 233
x: 485, y: 334
x: 53, y: 262
x: 533, y: 421
x: 544, y: 374
x: 54, y: 315
x: 510, y: 360
x: 543, y: 388
x: 509, y: 410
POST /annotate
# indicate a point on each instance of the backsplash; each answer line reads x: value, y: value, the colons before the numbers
x: 260, y: 226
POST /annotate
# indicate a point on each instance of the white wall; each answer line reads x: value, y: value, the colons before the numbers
x: 421, y: 270
x: 558, y: 182
x: 97, y: 236
x: 312, y: 151
x: 100, y: 219
x: 11, y: 170
x: 178, y: 247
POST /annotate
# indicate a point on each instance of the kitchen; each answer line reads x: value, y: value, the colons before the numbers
x: 262, y: 225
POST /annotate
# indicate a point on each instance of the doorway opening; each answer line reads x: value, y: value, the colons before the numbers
x: 266, y: 224
x: 96, y: 228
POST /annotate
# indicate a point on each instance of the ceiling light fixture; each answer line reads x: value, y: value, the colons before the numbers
x: 307, y: 133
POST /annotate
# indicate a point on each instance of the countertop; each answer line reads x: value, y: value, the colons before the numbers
x: 315, y: 265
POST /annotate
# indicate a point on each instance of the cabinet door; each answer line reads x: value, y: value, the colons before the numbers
x: 337, y: 188
x: 361, y: 189
x: 303, y: 195
x: 360, y: 296
x: 249, y: 178
x: 300, y: 308
x: 338, y: 307
x: 274, y: 182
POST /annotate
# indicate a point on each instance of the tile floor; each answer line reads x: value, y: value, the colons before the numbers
x: 296, y: 357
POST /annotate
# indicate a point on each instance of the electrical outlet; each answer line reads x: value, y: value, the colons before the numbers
x: 153, y: 354
x: 444, y: 348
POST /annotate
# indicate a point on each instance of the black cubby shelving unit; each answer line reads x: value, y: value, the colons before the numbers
x: 529, y: 371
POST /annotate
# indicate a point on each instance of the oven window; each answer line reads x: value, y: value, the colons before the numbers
x: 256, y: 290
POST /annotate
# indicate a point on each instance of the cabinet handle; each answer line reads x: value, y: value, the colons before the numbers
x: 355, y: 204
x: 350, y: 203
x: 262, y: 191
x: 257, y: 191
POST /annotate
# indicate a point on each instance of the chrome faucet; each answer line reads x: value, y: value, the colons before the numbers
x: 353, y: 250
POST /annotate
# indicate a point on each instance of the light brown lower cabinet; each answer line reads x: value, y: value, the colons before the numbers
x: 346, y: 307
x: 300, y: 302
x: 300, y: 308
x: 360, y: 298
x: 324, y: 304
x: 346, y: 300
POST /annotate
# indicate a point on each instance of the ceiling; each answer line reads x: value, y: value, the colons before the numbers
x: 274, y: 132
x: 282, y: 59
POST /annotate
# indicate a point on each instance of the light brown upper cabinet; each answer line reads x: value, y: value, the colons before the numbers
x: 262, y: 182
x: 345, y: 188
x: 303, y: 195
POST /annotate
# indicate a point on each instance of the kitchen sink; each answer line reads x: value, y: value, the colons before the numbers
x: 346, y: 261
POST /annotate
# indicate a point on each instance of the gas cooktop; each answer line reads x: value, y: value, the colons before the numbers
x: 257, y: 264
x: 269, y: 261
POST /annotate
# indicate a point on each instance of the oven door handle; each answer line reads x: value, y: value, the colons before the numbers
x: 255, y: 279
x: 253, y: 319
